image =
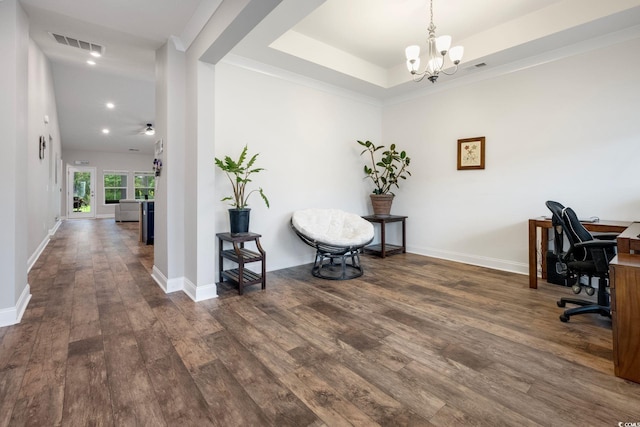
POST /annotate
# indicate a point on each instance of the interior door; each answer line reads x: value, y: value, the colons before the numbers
x: 81, y: 197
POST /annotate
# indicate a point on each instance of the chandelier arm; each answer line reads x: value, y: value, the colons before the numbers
x: 419, y: 79
x: 452, y: 72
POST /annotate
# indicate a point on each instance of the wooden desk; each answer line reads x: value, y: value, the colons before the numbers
x: 603, y: 226
x: 629, y: 240
x: 624, y: 282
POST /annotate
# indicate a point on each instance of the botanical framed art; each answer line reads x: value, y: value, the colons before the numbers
x: 471, y: 153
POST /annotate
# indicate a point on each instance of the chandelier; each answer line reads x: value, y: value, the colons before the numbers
x: 438, y: 48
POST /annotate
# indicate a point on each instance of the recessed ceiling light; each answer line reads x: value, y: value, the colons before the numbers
x: 90, y: 62
x: 110, y: 105
x: 95, y: 54
x: 105, y: 131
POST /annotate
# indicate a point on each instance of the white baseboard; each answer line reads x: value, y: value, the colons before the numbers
x: 200, y: 293
x: 13, y: 315
x: 160, y: 278
x: 102, y: 216
x: 495, y: 263
x: 167, y: 285
x: 174, y: 285
x: 57, y: 225
x: 196, y: 293
x: 34, y: 257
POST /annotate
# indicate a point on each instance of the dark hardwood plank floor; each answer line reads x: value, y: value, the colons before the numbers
x: 415, y: 341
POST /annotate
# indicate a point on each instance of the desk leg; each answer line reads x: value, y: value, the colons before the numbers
x: 544, y: 246
x: 533, y: 255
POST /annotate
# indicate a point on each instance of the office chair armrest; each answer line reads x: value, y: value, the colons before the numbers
x: 597, y: 244
x: 605, y: 236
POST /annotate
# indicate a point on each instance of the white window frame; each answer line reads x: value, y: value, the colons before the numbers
x: 105, y: 188
x: 143, y: 173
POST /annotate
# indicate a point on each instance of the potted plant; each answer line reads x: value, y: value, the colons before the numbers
x: 384, y: 173
x: 239, y: 172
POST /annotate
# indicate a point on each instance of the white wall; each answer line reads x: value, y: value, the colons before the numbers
x: 44, y: 180
x: 306, y: 135
x: 130, y: 162
x: 14, y: 45
x: 565, y: 131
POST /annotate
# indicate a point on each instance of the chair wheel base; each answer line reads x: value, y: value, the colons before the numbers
x: 561, y: 304
x: 564, y: 318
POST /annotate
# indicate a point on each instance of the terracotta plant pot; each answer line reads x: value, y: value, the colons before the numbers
x: 381, y: 203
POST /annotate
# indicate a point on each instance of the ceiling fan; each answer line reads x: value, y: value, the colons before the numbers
x: 138, y: 129
x: 149, y: 130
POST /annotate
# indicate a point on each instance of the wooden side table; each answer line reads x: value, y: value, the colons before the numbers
x: 383, y: 249
x: 241, y: 256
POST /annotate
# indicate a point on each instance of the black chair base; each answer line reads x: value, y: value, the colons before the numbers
x: 326, y: 267
x: 585, y: 307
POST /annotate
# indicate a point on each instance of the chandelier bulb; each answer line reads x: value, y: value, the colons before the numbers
x: 442, y: 44
x: 412, y: 52
x: 455, y: 54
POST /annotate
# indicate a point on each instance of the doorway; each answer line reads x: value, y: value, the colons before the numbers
x: 81, y: 186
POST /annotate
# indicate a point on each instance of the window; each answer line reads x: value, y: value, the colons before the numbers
x: 115, y: 186
x: 144, y: 185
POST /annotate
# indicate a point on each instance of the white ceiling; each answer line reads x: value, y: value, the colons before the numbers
x: 378, y: 30
x: 130, y: 31
x: 356, y: 44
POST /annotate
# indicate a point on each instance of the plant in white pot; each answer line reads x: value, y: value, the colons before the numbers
x: 239, y: 173
x: 384, y: 173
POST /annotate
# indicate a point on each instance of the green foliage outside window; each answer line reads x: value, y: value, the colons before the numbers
x: 144, y: 185
x: 115, y: 187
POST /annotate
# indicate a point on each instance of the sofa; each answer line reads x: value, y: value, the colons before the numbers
x: 127, y: 210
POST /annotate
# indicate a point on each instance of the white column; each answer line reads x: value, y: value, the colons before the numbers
x: 14, y: 44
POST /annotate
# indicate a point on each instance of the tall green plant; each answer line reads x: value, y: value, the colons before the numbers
x: 238, y: 173
x: 386, y: 171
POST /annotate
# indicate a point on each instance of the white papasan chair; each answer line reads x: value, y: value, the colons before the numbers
x: 336, y: 235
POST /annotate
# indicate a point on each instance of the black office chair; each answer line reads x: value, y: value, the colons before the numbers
x: 587, y: 256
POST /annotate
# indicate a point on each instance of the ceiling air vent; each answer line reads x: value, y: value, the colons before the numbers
x: 474, y: 67
x: 80, y: 44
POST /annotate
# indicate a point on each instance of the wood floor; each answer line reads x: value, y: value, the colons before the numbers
x: 415, y: 341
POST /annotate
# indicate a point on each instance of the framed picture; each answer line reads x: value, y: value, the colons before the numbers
x: 41, y: 147
x: 159, y: 147
x: 471, y: 153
